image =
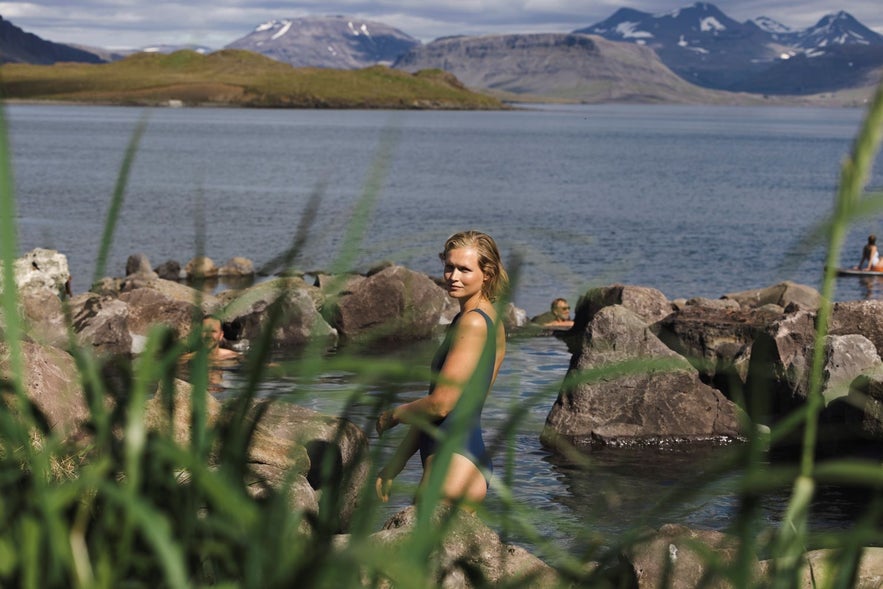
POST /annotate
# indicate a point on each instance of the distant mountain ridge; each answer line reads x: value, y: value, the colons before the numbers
x: 700, y: 44
x: 17, y: 46
x: 570, y: 67
x: 703, y: 45
x: 338, y: 42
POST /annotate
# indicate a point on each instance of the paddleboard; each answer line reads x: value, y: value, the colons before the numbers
x: 854, y: 272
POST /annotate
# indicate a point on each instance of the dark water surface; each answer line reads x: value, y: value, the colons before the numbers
x: 694, y: 201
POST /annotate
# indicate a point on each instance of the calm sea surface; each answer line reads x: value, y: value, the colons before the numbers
x: 694, y: 201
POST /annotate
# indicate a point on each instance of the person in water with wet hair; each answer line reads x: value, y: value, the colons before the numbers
x: 219, y: 358
x: 557, y: 317
x: 466, y: 363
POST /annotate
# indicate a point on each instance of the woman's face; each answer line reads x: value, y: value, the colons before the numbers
x: 463, y: 275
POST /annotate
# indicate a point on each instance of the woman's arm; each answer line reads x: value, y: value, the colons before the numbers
x: 461, y: 362
x: 406, y: 449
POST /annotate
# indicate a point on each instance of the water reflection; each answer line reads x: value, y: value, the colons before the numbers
x: 872, y: 286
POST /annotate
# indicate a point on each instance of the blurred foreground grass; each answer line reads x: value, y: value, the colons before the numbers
x: 125, y: 506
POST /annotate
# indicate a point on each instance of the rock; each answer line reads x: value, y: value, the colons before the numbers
x: 271, y: 459
x: 846, y: 357
x: 250, y: 309
x: 336, y: 440
x: 337, y: 284
x: 52, y: 382
x: 676, y: 557
x: 782, y: 294
x: 43, y: 269
x: 43, y: 315
x: 862, y: 413
x: 468, y: 551
x: 718, y: 304
x: 200, y: 267
x: 716, y: 336
x: 149, y: 307
x: 102, y: 324
x: 862, y: 317
x: 237, y: 267
x: 173, y: 291
x: 107, y: 287
x: 169, y: 270
x: 778, y: 371
x: 822, y: 565
x: 514, y: 317
x: 394, y: 305
x: 625, y: 387
x: 139, y: 264
x: 647, y: 303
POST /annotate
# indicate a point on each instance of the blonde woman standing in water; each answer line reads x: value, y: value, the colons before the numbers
x: 467, y: 361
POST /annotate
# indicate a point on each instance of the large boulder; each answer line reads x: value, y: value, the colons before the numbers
x: 781, y: 362
x: 42, y: 280
x: 783, y: 294
x: 649, y: 304
x: 43, y: 316
x: 716, y: 336
x: 149, y: 307
x: 337, y: 449
x: 862, y: 317
x: 101, y: 323
x: 250, y: 310
x: 625, y: 387
x: 779, y: 366
x: 43, y: 269
x: 470, y: 554
x: 862, y: 410
x: 394, y: 305
x: 825, y: 568
x: 846, y: 358
x: 52, y: 383
x: 676, y: 557
x: 271, y: 460
x: 172, y: 290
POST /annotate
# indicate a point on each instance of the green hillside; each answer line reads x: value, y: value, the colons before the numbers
x: 235, y: 78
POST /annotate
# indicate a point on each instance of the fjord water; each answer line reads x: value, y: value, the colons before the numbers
x: 692, y: 200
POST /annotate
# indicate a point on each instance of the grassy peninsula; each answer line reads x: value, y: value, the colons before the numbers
x: 235, y: 78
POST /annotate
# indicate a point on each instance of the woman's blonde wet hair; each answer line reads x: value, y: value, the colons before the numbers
x: 489, y: 260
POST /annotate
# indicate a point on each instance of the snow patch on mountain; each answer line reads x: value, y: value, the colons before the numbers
x: 630, y: 30
x: 770, y: 25
x: 286, y: 25
x: 711, y: 24
x: 362, y: 30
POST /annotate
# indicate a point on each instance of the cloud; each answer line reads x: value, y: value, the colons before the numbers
x: 215, y: 23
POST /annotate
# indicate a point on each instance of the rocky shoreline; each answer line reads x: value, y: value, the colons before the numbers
x: 645, y: 371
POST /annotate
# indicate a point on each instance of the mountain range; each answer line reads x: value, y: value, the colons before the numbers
x: 706, y: 47
x: 692, y: 54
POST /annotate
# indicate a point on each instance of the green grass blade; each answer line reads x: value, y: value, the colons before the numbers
x: 116, y: 203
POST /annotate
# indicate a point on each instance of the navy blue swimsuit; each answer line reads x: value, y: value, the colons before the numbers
x: 475, y: 450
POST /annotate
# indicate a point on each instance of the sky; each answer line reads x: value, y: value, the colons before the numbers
x: 132, y: 24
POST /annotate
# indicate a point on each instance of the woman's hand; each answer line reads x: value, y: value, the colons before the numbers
x: 383, y: 485
x: 385, y: 421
